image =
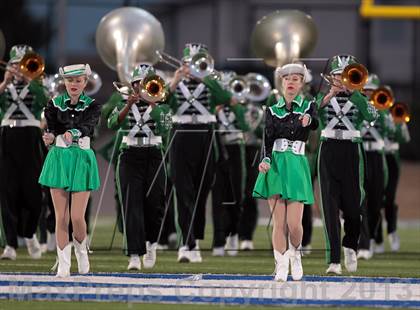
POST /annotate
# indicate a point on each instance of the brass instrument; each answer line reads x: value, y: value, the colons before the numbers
x: 127, y: 36
x: 151, y: 89
x: 31, y: 66
x: 201, y: 64
x: 353, y: 77
x: 400, y: 113
x: 382, y: 98
x: 259, y: 87
x: 238, y: 87
x: 284, y: 36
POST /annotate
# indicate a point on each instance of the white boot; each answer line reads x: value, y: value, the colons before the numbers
x: 195, y: 254
x: 64, y: 261
x: 232, y: 245
x: 394, y: 241
x: 334, y: 268
x: 379, y: 248
x: 296, y: 268
x: 282, y: 266
x: 350, y: 259
x: 9, y: 253
x: 81, y: 252
x: 183, y: 254
x: 218, y: 251
x: 134, y: 262
x: 247, y: 245
x: 34, y: 248
x: 149, y: 259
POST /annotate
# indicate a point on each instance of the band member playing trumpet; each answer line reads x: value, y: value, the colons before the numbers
x: 140, y: 170
x: 70, y: 167
x: 192, y: 153
x: 285, y: 178
x: 373, y: 134
x: 340, y: 163
x: 22, y: 100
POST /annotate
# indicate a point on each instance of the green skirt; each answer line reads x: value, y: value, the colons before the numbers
x: 289, y: 177
x: 72, y: 169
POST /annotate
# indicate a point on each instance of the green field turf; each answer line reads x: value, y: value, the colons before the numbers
x: 405, y: 263
x: 39, y: 305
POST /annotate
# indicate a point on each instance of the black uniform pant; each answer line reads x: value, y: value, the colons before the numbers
x: 168, y: 226
x: 249, y: 216
x: 374, y: 188
x: 307, y: 225
x: 141, y: 189
x: 340, y: 172
x: 21, y: 160
x: 391, y: 208
x: 228, y: 193
x: 192, y: 158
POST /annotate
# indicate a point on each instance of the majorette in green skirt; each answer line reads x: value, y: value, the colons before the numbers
x: 71, y: 168
x: 289, y: 177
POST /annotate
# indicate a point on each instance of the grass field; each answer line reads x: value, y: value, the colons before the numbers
x: 405, y: 263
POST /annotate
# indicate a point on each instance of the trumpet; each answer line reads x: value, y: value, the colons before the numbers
x: 353, y: 77
x: 382, y: 98
x: 400, y: 113
x: 151, y: 89
x: 31, y: 66
x: 201, y: 64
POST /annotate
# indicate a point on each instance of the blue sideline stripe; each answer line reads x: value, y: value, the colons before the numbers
x: 337, y: 279
x: 211, y: 300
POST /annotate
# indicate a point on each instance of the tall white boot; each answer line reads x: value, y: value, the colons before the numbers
x: 282, y: 266
x: 296, y: 268
x: 64, y: 261
x: 81, y: 252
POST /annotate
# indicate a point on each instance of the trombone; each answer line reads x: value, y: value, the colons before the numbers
x: 31, y: 66
x: 201, y: 65
x: 151, y: 89
x: 382, y: 98
x: 400, y: 113
x: 353, y: 77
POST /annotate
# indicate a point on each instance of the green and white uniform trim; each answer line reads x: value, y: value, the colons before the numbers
x: 302, y: 106
x: 62, y: 102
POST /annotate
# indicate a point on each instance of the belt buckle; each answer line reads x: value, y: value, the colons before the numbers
x: 194, y: 118
x: 339, y: 134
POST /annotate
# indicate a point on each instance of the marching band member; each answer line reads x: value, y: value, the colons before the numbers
x: 70, y: 167
x: 376, y: 171
x: 230, y: 176
x: 192, y: 153
x: 397, y: 133
x: 254, y: 117
x: 141, y: 179
x: 340, y: 165
x: 21, y: 103
x: 285, y: 179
